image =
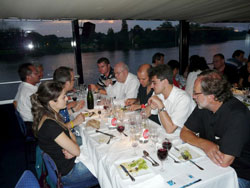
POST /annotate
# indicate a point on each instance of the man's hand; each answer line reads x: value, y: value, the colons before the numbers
x: 67, y: 154
x: 134, y: 107
x: 129, y: 102
x: 108, y: 82
x: 155, y: 102
x: 213, y: 152
x: 94, y: 87
x: 79, y: 105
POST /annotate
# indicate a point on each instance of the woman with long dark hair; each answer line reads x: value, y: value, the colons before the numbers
x: 54, y: 137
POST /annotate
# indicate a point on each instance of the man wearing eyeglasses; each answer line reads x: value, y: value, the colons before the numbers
x: 223, y: 125
x: 126, y: 85
x: 173, y: 105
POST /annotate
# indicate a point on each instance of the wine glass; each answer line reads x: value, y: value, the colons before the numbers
x: 167, y: 145
x: 162, y: 154
x: 120, y: 128
x: 153, y: 136
x: 74, y: 97
x: 99, y: 112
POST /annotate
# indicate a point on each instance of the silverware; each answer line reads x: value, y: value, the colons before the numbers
x: 153, y: 164
x: 146, y: 154
x: 127, y: 172
x: 92, y: 113
x: 185, y: 157
x: 174, y: 159
x: 176, y: 148
x: 109, y: 139
x: 104, y: 133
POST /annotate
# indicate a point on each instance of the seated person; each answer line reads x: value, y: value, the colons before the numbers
x: 65, y: 75
x: 173, y: 105
x: 54, y: 137
x: 222, y: 123
x: 178, y: 80
x: 145, y: 91
x: 29, y: 77
x: 229, y: 71
x: 126, y: 85
x: 245, y: 76
x: 157, y: 59
x: 237, y: 60
x: 107, y: 73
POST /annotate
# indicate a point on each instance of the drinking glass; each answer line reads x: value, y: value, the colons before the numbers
x: 162, y: 155
x: 167, y: 145
x: 120, y: 128
x: 74, y: 97
x: 153, y: 133
x: 134, y: 138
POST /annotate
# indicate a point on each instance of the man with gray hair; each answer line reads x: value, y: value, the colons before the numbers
x: 220, y: 125
x: 126, y: 86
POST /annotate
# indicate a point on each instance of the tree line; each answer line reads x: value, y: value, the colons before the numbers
x: 15, y: 41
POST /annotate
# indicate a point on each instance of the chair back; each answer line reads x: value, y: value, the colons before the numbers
x: 21, y: 123
x: 51, y: 167
x: 27, y: 180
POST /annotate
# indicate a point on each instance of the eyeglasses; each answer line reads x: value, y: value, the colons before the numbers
x: 118, y: 73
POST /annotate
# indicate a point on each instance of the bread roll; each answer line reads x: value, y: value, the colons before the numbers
x: 93, y: 123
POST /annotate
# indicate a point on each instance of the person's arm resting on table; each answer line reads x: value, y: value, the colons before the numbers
x: 210, y: 148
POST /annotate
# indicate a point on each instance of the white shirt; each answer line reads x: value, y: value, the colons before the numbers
x: 190, y: 82
x: 179, y: 105
x: 126, y: 90
x: 25, y: 90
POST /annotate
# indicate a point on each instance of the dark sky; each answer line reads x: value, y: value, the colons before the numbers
x: 63, y: 28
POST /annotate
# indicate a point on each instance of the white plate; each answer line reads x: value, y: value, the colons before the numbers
x: 132, y: 170
x: 196, y: 153
x: 100, y: 138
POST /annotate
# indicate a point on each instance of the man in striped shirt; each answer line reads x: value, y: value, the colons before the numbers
x: 107, y: 73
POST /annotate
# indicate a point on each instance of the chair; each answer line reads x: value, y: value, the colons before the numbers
x: 30, y: 143
x: 27, y: 180
x: 53, y: 172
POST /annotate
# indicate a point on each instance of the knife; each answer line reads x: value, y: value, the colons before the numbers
x: 126, y: 171
x: 104, y: 133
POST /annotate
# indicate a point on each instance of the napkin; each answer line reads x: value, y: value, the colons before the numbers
x: 156, y: 181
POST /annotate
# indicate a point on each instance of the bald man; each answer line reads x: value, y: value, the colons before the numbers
x: 126, y: 85
x: 145, y: 90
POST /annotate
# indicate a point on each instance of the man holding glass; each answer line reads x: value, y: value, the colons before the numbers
x: 222, y: 123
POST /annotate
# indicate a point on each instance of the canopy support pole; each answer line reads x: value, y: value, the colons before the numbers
x: 77, y: 49
x: 184, y: 45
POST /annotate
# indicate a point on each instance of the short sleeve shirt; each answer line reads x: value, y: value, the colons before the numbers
x: 229, y: 128
x: 46, y: 136
x: 102, y: 78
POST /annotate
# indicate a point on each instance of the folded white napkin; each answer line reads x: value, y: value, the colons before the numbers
x: 156, y: 181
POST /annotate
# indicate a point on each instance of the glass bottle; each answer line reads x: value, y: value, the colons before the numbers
x: 90, y: 99
x: 145, y: 131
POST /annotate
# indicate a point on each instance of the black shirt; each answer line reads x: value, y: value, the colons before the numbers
x: 46, y: 136
x: 229, y: 127
x: 143, y: 98
x: 231, y: 73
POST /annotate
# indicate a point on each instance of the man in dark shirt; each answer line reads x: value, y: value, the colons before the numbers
x: 107, y: 73
x: 223, y: 125
x: 144, y: 93
x: 229, y: 71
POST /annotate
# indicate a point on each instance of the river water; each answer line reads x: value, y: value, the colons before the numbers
x: 134, y: 58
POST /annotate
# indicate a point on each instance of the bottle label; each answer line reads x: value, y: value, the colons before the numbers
x: 145, y: 134
x: 113, y: 121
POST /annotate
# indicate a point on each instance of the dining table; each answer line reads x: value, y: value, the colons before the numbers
x: 103, y: 155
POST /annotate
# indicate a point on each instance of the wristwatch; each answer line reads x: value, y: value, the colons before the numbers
x: 162, y: 109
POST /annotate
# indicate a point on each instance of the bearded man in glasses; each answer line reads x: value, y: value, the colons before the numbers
x: 222, y: 123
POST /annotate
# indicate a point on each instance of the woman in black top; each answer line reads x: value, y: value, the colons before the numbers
x: 54, y: 137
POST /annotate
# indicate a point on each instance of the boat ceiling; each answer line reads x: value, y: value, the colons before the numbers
x: 200, y: 11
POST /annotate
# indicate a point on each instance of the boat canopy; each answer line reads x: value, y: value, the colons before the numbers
x: 199, y: 11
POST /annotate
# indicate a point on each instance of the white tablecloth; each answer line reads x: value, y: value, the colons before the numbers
x: 102, y: 160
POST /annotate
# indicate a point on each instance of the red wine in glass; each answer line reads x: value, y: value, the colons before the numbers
x: 120, y: 128
x: 162, y: 153
x: 74, y: 98
x: 167, y: 145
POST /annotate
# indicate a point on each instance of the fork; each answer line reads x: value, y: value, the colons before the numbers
x: 109, y: 139
x: 185, y: 157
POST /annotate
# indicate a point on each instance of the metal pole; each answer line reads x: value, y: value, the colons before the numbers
x: 77, y: 47
x: 184, y: 45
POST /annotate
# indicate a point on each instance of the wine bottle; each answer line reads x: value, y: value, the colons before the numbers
x: 90, y: 99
